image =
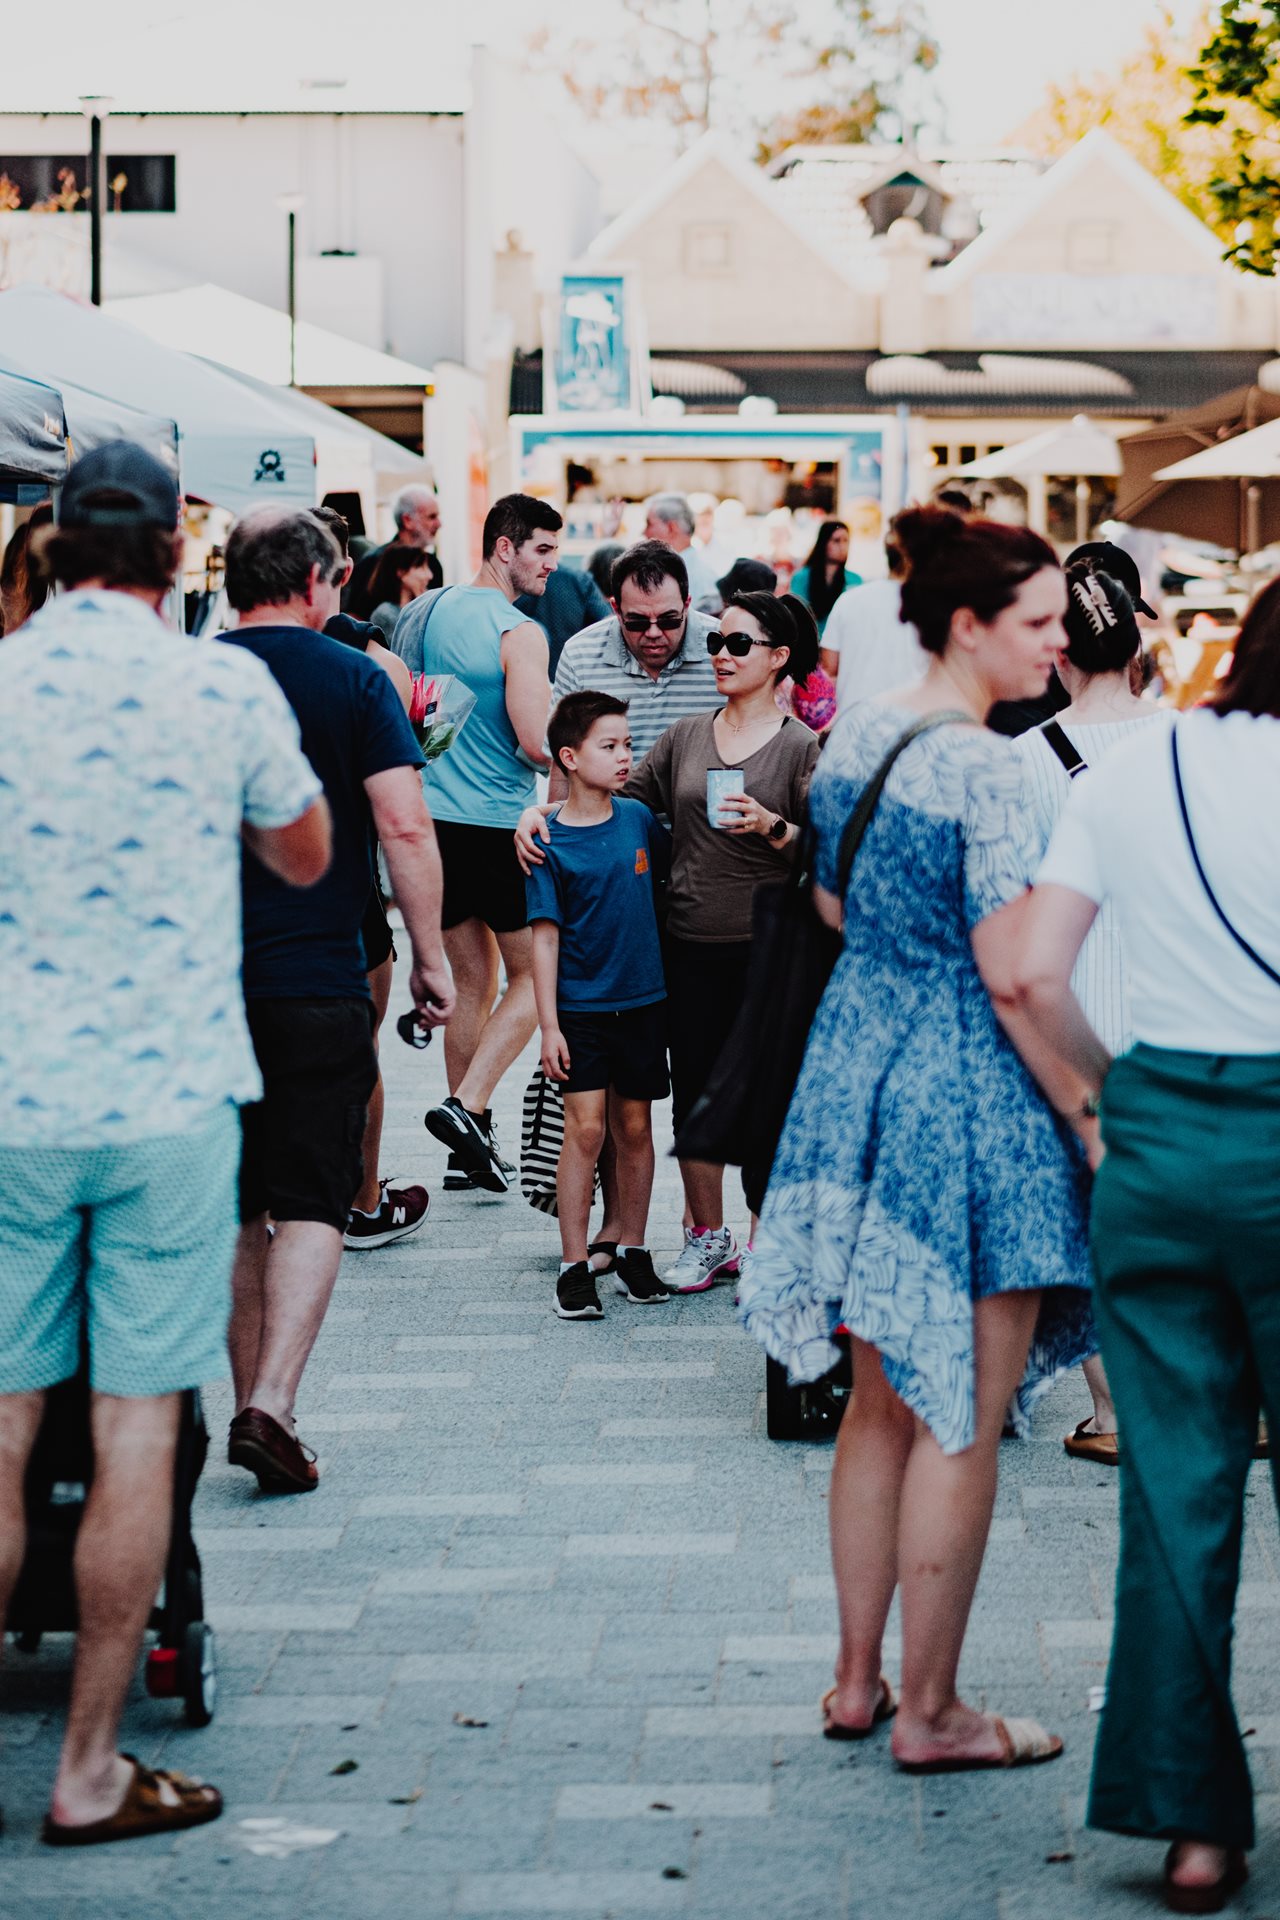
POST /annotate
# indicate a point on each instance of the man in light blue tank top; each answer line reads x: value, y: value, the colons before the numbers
x: 477, y: 792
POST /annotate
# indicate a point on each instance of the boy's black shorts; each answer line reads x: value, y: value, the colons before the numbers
x: 626, y: 1051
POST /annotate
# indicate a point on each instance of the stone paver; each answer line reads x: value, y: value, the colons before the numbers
x: 550, y: 1636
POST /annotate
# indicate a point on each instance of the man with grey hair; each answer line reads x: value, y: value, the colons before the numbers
x: 669, y: 518
x: 310, y: 1014
x: 416, y: 512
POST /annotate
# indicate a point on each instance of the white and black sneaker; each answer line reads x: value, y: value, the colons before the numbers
x: 401, y: 1211
x: 465, y: 1136
x: 635, y: 1278
x: 576, y: 1296
x: 456, y: 1177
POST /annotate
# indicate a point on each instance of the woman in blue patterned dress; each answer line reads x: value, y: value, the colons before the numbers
x: 925, y: 1193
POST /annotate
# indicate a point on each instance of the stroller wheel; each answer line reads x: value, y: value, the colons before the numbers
x: 198, y: 1673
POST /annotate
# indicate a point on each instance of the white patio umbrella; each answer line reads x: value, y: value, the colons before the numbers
x: 1077, y: 447
x: 1247, y: 457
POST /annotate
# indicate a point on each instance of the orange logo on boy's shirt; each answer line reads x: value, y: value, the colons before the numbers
x: 642, y: 860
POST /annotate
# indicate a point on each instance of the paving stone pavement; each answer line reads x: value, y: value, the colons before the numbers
x: 569, y: 1613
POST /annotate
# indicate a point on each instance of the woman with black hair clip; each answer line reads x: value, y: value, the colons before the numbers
x: 1181, y: 831
x: 1103, y: 639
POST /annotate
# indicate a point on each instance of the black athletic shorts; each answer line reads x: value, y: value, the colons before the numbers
x: 301, y: 1157
x: 375, y: 931
x: 626, y: 1051
x: 482, y: 877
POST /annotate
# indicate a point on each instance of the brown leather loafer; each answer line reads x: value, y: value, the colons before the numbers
x: 281, y: 1462
x: 1102, y: 1448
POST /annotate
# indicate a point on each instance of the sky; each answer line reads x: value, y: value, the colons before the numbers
x: 998, y: 56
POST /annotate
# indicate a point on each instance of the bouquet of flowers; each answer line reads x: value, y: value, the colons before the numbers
x: 438, y: 711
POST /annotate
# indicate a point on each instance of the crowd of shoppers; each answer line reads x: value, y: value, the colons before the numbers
x: 1051, y: 1039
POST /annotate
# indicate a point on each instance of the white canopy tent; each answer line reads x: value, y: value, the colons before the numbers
x: 93, y: 420
x: 238, y: 449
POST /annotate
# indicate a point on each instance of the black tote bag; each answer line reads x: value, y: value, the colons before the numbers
x: 738, y: 1120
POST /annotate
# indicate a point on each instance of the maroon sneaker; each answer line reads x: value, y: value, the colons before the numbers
x: 281, y: 1462
x: 401, y: 1210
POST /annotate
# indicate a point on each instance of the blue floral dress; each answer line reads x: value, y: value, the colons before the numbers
x: 920, y: 1168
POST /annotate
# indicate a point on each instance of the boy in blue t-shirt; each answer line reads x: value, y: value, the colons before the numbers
x: 601, y: 995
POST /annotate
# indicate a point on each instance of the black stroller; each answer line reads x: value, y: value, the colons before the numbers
x: 182, y: 1665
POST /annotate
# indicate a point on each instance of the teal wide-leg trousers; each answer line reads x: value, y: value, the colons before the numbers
x: 1186, y: 1251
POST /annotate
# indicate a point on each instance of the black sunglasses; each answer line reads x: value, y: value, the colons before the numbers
x: 641, y: 623
x: 409, y: 1030
x: 738, y: 644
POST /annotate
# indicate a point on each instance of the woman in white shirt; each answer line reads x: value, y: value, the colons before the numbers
x: 1103, y: 638
x: 1180, y: 831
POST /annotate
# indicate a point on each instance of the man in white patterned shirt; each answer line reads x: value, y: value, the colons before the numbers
x: 133, y: 764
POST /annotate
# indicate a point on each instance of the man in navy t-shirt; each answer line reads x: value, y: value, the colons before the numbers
x: 305, y: 979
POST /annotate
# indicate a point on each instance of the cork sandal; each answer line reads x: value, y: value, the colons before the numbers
x: 154, y: 1802
x: 1024, y: 1743
x: 885, y: 1708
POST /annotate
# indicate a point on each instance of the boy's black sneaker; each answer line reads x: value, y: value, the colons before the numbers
x: 576, y: 1296
x: 636, y: 1280
x: 456, y: 1177
x: 464, y: 1135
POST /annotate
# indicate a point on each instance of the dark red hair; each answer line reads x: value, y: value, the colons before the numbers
x: 1253, y: 684
x: 957, y: 560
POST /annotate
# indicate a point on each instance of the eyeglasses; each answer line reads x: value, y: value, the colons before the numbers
x: 738, y: 644
x: 641, y: 622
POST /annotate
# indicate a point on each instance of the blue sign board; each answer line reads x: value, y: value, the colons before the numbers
x: 593, y: 353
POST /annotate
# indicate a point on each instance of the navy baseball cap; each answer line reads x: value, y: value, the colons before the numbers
x: 119, y: 485
x: 1103, y: 556
x: 747, y: 576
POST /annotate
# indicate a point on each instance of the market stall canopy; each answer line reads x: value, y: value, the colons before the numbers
x: 394, y: 465
x: 1197, y: 509
x: 33, y: 437
x: 93, y: 421
x: 1075, y: 448
x: 238, y: 450
x: 248, y: 337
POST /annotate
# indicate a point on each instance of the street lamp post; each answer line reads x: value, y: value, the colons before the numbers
x: 292, y: 204
x: 96, y: 107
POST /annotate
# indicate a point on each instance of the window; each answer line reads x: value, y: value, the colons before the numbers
x: 1091, y: 246
x: 59, y: 182
x: 708, y: 249
x: 967, y: 454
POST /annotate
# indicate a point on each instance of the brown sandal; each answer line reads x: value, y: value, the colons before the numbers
x: 885, y: 1708
x: 1102, y: 1448
x: 1024, y: 1742
x: 144, y: 1809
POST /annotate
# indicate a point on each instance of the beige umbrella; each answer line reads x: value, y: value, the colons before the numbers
x: 1254, y: 457
x: 1077, y: 446
x: 1202, y: 509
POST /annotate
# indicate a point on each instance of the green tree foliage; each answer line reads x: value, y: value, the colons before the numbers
x: 1142, y: 102
x: 1236, y: 84
x: 783, y: 70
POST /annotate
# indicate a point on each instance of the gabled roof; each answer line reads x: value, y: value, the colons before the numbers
x: 1097, y: 144
x: 713, y: 149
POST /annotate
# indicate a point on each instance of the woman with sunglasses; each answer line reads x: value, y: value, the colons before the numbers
x: 721, y: 851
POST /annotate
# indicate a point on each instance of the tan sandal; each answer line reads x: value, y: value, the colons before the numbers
x: 1024, y: 1742
x: 1102, y: 1448
x: 155, y: 1802
x: 885, y: 1708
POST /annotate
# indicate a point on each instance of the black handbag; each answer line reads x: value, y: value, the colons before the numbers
x: 739, y: 1118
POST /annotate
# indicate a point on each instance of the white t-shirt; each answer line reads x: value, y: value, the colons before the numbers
x: 878, y: 649
x: 1120, y: 838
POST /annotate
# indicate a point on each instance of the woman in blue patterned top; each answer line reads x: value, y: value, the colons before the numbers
x: 942, y: 1217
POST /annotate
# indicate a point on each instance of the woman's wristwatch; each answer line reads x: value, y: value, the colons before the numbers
x: 779, y: 830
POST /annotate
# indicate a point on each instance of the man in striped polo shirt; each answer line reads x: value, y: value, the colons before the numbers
x: 651, y: 651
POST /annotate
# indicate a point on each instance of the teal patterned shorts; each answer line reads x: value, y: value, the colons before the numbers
x: 129, y: 1245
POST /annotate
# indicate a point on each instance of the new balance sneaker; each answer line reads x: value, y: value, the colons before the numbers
x: 636, y: 1280
x: 401, y: 1211
x: 464, y: 1134
x: 707, y: 1257
x: 576, y: 1296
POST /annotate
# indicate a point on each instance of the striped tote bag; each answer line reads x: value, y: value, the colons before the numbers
x: 541, y: 1138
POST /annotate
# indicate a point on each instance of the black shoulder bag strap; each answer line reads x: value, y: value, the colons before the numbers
x: 869, y: 799
x: 1211, y: 896
x: 1069, y: 754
